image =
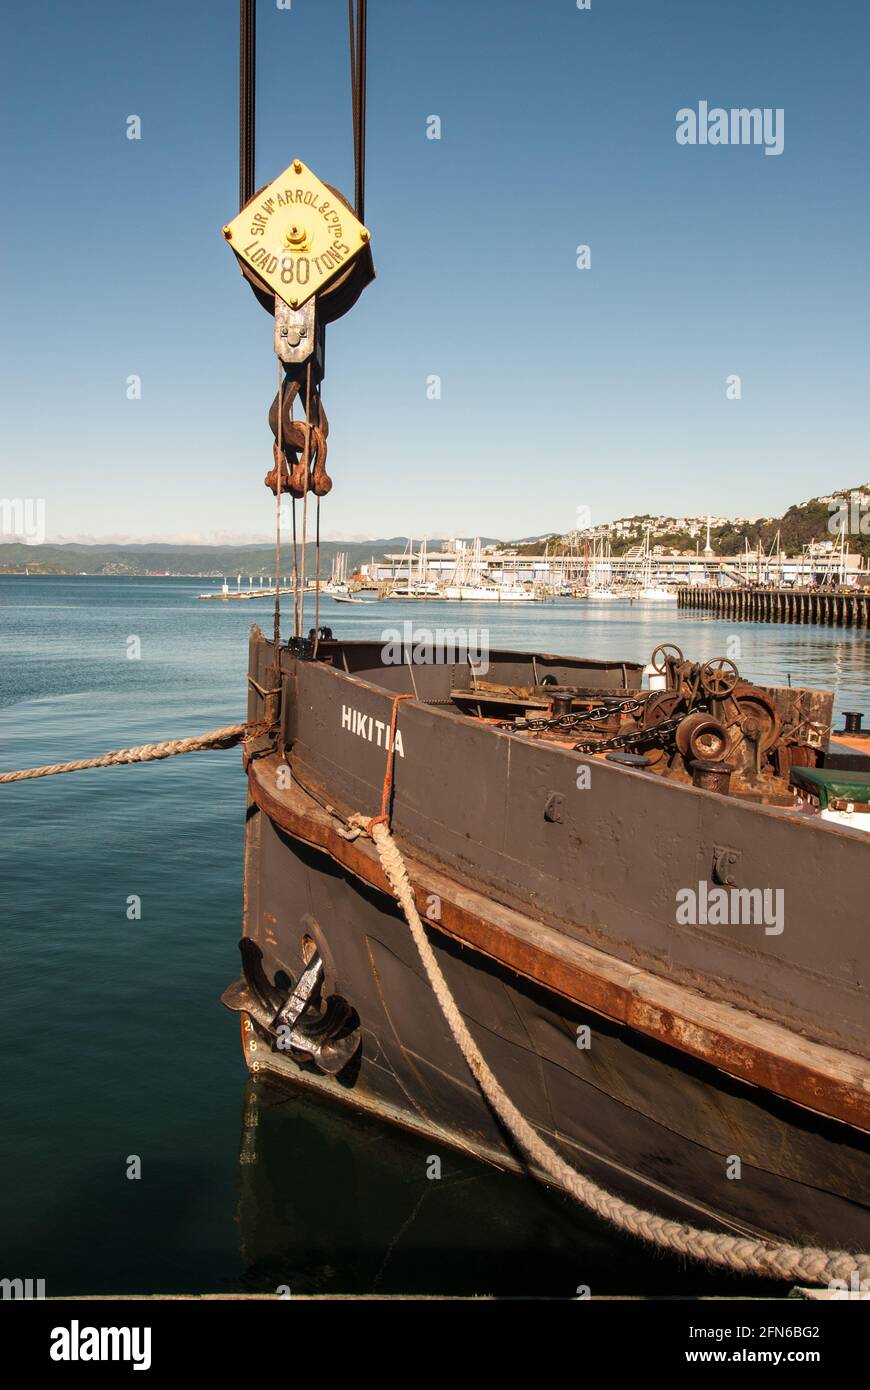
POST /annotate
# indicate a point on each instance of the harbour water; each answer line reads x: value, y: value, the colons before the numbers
x: 115, y: 1044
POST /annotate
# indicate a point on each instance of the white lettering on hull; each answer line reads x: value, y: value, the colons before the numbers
x: 371, y: 729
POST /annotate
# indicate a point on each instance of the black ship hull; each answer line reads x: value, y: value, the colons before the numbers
x: 702, y: 1074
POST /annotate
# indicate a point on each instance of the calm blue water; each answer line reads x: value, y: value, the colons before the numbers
x: 113, y: 1038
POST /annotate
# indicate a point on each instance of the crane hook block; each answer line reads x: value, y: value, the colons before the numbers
x: 298, y: 236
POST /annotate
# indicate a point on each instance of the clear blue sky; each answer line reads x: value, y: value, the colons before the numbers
x: 561, y: 388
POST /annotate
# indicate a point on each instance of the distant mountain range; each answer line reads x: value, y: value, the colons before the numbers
x: 207, y: 561
x: 798, y: 525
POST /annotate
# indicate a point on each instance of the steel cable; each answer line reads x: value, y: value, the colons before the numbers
x: 247, y: 97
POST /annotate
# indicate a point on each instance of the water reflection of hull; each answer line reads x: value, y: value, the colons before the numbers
x: 326, y: 1207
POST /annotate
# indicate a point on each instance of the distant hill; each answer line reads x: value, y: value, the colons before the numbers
x: 798, y: 525
x: 207, y: 561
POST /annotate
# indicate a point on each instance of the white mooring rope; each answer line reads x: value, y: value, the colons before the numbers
x: 145, y: 753
x: 795, y: 1264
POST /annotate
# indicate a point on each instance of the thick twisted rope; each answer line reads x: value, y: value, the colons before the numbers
x: 144, y: 753
x: 746, y: 1255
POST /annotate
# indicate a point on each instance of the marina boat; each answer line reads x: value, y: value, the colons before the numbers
x: 650, y: 591
x: 471, y: 585
x: 655, y: 593
x: 515, y: 902
x: 407, y: 586
x: 515, y: 593
x: 415, y: 583
x: 337, y: 585
x: 488, y: 593
x: 600, y: 573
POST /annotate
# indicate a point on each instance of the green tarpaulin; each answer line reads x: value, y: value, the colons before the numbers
x: 831, y: 785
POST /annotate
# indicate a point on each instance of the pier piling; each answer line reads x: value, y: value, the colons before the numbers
x: 756, y: 605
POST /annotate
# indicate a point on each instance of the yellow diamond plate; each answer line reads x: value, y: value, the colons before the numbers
x: 296, y: 235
